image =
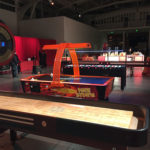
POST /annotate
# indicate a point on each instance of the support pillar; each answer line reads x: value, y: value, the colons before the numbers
x: 148, y: 53
x: 123, y: 39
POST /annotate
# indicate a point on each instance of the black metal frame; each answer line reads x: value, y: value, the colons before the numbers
x: 126, y: 63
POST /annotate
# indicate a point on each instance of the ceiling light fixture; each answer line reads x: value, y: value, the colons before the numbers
x: 80, y: 15
x: 51, y: 2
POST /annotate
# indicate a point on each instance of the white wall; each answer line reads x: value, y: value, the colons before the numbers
x: 102, y: 39
x: 62, y: 29
x: 48, y: 28
x: 10, y: 19
x: 77, y: 32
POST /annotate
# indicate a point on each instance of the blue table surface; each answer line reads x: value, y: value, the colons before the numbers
x: 90, y: 80
x: 86, y: 80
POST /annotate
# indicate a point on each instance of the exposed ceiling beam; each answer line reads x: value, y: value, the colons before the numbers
x: 16, y: 5
x: 63, y: 2
x: 124, y: 29
x: 8, y: 4
x: 33, y: 9
x: 110, y: 4
x: 72, y: 3
x: 23, y: 9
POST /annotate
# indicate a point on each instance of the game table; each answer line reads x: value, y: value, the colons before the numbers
x: 99, y: 70
x: 76, y: 85
x: 98, y: 124
x: 86, y: 87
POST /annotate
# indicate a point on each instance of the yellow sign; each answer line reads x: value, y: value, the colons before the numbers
x: 84, y: 92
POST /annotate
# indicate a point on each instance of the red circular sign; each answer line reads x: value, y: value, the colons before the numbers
x: 7, y: 45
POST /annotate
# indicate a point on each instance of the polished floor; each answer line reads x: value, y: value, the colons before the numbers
x: 137, y: 92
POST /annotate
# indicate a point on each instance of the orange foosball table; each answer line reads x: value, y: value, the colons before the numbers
x: 100, y: 124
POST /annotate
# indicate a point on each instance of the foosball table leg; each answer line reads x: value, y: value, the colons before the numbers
x: 107, y: 146
x: 122, y: 148
x: 131, y: 71
x: 13, y: 136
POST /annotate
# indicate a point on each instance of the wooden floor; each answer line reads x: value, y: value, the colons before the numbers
x: 136, y: 92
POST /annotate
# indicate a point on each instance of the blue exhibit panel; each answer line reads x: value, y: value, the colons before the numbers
x: 2, y: 44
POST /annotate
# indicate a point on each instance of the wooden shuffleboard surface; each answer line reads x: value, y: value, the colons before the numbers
x: 96, y: 115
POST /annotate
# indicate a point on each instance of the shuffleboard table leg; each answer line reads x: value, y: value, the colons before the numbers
x: 13, y: 136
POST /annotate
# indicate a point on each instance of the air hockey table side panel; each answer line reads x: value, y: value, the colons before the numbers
x: 70, y: 89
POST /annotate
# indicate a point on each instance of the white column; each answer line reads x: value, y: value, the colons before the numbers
x: 149, y: 44
x: 16, y: 10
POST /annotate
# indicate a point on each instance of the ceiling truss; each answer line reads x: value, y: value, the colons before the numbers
x: 70, y: 8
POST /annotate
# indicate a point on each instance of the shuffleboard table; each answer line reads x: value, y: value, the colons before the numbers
x: 98, y: 124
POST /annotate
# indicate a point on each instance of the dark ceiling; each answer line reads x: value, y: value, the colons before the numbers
x: 80, y: 10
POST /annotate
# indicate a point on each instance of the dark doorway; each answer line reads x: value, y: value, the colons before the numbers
x: 138, y: 42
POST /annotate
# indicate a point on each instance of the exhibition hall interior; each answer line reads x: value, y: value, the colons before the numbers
x: 74, y: 74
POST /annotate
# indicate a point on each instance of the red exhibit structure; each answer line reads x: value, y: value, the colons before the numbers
x: 27, y: 47
x: 50, y: 55
x: 84, y: 87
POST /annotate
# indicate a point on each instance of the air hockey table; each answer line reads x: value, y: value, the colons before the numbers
x: 98, y: 124
x: 76, y: 85
x: 86, y: 87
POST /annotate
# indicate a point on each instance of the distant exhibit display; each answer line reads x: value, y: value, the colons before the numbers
x: 121, y: 56
x: 110, y: 55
